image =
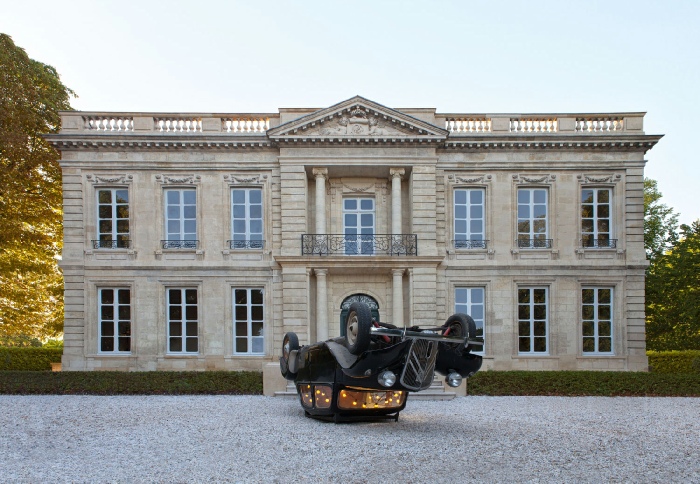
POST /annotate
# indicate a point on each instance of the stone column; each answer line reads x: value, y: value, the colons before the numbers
x: 321, y: 174
x: 396, y: 174
x: 397, y: 286
x: 321, y: 305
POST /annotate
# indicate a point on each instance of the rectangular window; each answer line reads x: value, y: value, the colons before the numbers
x: 469, y: 218
x: 183, y: 321
x: 248, y: 322
x: 533, y: 316
x: 358, y: 226
x: 533, y: 224
x: 246, y: 218
x: 114, y: 326
x: 180, y: 219
x: 596, y: 221
x: 470, y: 300
x: 112, y: 219
x: 597, y: 320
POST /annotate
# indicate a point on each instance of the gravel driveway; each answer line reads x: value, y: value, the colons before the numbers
x: 263, y: 439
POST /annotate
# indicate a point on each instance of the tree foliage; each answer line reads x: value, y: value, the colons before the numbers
x: 673, y: 295
x: 31, y: 286
x: 660, y: 222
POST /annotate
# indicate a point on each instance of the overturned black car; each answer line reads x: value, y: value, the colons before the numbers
x: 369, y: 372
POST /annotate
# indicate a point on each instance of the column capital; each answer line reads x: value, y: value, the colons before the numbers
x: 321, y: 272
x: 397, y: 272
x: 397, y: 172
x: 320, y: 172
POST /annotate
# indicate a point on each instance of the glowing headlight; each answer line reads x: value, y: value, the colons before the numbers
x: 387, y: 378
x: 453, y: 379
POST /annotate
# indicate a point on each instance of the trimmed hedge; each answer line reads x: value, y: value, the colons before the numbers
x: 687, y: 361
x: 131, y: 383
x: 29, y: 358
x: 584, y: 383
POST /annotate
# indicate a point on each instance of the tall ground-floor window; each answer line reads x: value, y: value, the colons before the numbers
x: 470, y: 300
x: 114, y: 320
x: 248, y: 322
x: 597, y: 320
x: 533, y: 320
x: 183, y: 322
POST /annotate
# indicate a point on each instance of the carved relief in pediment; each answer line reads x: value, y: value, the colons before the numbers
x: 358, y: 123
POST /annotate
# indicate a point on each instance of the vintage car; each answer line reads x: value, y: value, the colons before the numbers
x: 368, y: 372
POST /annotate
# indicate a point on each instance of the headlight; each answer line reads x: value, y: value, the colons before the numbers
x: 387, y: 378
x: 453, y: 379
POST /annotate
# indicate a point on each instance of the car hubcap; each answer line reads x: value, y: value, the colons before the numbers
x: 352, y: 328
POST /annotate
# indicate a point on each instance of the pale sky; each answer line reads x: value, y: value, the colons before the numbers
x: 456, y: 56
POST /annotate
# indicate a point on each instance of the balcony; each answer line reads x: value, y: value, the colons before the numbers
x: 591, y: 243
x: 534, y: 243
x: 358, y: 245
x: 470, y: 244
x: 179, y: 244
x: 246, y: 244
x: 111, y: 244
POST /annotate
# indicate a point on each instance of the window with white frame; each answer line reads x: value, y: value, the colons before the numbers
x: 533, y: 320
x: 596, y: 218
x: 597, y: 320
x: 533, y: 225
x: 112, y: 219
x: 469, y: 221
x: 358, y: 226
x: 248, y: 321
x: 470, y: 300
x: 180, y: 219
x: 183, y: 320
x: 246, y: 218
x: 114, y: 325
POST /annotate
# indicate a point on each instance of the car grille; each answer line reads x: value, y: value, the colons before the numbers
x: 420, y: 365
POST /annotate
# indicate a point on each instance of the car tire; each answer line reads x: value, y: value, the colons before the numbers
x: 290, y: 342
x: 461, y: 325
x: 358, y: 325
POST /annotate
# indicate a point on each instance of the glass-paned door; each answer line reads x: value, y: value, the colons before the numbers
x: 358, y: 226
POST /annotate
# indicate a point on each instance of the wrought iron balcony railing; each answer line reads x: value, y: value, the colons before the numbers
x: 111, y: 244
x: 246, y: 244
x: 363, y: 244
x: 470, y: 244
x: 591, y: 243
x: 534, y: 243
x: 179, y: 244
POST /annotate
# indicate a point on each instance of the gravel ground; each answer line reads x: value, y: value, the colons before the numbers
x: 262, y: 439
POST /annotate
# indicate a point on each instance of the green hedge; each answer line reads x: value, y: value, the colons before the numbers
x: 29, y: 358
x: 580, y: 383
x: 131, y: 383
x: 674, y: 361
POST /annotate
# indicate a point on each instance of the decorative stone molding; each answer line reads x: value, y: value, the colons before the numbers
x: 491, y: 253
x: 453, y: 178
x: 110, y: 180
x: 529, y: 179
x: 396, y: 172
x: 357, y: 189
x: 586, y: 179
x: 320, y: 172
x: 178, y: 179
x: 245, y: 179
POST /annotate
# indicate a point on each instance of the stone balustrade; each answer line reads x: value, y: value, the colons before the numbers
x: 258, y: 124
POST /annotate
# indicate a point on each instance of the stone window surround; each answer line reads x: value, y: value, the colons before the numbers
x: 248, y: 179
x: 483, y: 287
x: 534, y: 181
x: 250, y: 352
x: 461, y: 180
x: 182, y: 182
x: 93, y: 183
x: 523, y: 283
x: 248, y: 282
x: 183, y: 329
x: 115, y: 319
x: 341, y: 188
x: 162, y: 324
x: 91, y: 338
x: 617, y: 207
x: 618, y: 339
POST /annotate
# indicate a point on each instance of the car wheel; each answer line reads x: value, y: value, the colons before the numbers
x: 357, y: 328
x: 460, y: 325
x: 290, y: 342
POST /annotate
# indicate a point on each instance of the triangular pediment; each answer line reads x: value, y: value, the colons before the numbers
x: 358, y: 119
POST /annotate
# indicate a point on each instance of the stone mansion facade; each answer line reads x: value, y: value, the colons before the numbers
x: 195, y: 241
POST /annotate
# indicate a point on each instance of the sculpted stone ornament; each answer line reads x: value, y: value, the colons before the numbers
x: 358, y: 124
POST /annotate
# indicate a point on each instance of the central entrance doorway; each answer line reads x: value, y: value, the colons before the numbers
x: 364, y: 298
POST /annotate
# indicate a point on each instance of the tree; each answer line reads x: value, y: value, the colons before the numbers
x: 31, y: 286
x: 673, y: 295
x: 660, y: 222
